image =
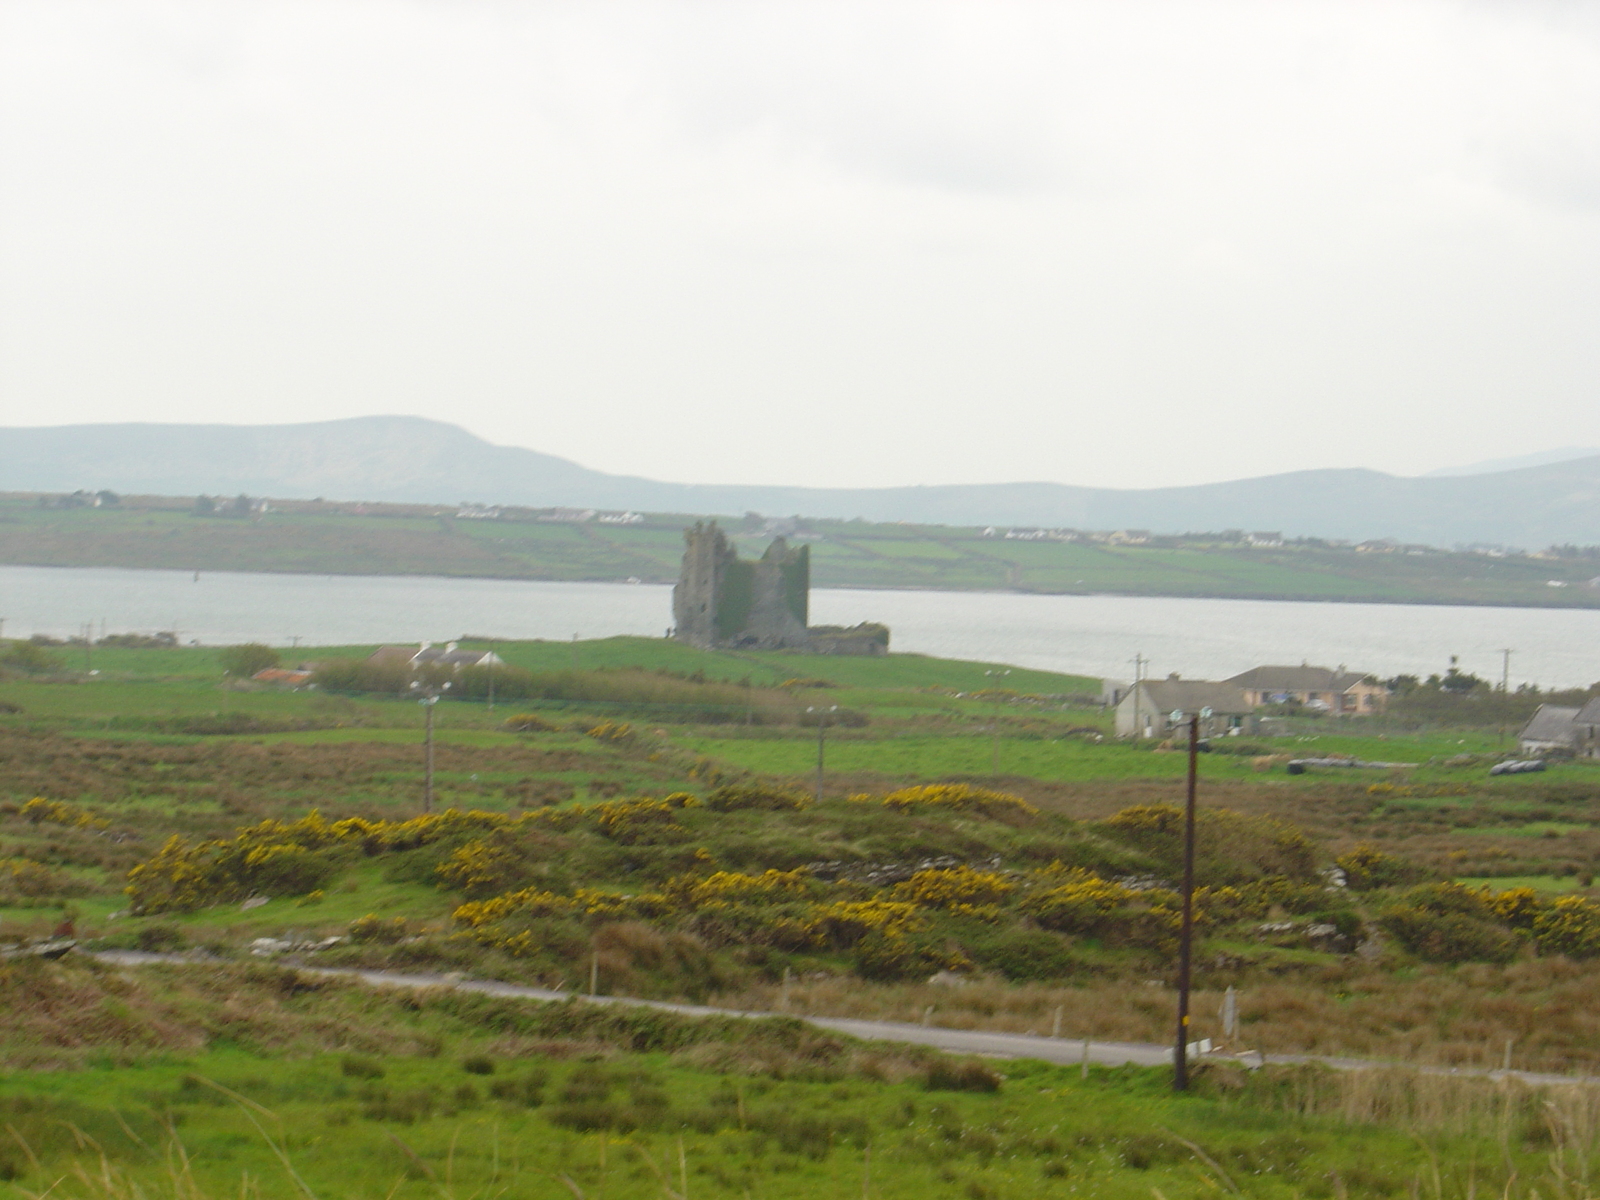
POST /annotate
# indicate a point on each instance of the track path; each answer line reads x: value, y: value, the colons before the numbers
x: 957, y: 1041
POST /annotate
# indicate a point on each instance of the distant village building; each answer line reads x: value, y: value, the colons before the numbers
x: 1339, y: 692
x: 1552, y: 728
x: 1555, y: 729
x: 284, y: 676
x: 1146, y: 709
x: 425, y: 654
x: 721, y: 600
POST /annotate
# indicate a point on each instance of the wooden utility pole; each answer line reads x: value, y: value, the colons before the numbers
x: 822, y: 730
x: 1180, y: 1053
x: 994, y: 730
x: 1139, y: 662
x: 427, y: 754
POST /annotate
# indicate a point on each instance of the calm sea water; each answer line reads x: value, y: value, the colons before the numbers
x: 1090, y: 635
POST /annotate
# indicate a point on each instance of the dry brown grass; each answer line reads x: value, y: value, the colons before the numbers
x: 204, y: 788
x: 66, y: 1014
x: 1433, y: 1016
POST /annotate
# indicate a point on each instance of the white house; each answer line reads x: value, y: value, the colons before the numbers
x: 1145, y: 710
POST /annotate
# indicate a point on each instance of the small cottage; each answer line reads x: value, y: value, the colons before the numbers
x: 428, y: 655
x: 1337, y: 692
x: 1146, y: 709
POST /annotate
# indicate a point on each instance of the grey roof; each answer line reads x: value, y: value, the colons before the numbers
x: 454, y: 658
x: 1589, y: 714
x: 1191, y: 695
x: 1550, y: 723
x: 1296, y: 679
x: 419, y: 655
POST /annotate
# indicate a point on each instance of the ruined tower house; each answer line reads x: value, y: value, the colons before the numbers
x: 722, y: 600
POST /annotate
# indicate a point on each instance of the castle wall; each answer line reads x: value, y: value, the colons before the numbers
x: 720, y: 600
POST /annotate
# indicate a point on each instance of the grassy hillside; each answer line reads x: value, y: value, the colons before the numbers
x: 410, y: 539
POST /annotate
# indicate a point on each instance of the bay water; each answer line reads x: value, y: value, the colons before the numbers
x: 1088, y: 635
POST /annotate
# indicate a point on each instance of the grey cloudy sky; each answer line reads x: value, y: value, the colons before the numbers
x: 1119, y: 243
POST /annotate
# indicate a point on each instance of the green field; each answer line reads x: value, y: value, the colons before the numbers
x: 320, y: 1089
x: 651, y: 821
x: 317, y: 537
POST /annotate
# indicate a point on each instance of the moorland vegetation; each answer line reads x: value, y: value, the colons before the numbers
x: 655, y: 830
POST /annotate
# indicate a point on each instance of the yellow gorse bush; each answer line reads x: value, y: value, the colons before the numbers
x: 22, y: 877
x: 843, y: 923
x: 1567, y: 925
x: 59, y: 812
x: 723, y: 888
x: 954, y: 888
x: 294, y: 857
x: 951, y: 797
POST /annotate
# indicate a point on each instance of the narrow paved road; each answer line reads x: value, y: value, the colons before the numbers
x: 957, y: 1041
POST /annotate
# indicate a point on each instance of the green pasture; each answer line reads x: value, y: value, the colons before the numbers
x: 378, y: 1126
x: 1552, y: 884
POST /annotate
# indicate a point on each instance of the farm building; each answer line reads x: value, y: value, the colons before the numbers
x: 1146, y: 709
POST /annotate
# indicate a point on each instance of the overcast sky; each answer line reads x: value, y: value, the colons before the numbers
x: 1119, y: 243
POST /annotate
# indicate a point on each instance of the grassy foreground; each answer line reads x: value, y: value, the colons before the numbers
x: 316, y: 1088
x: 644, y: 817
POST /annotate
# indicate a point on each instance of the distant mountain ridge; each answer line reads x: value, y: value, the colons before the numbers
x: 1490, y: 466
x: 418, y: 460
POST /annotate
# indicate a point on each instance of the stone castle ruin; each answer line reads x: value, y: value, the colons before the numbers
x: 722, y: 600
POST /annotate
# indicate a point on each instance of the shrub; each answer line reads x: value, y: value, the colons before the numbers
x: 245, y: 660
x: 960, y: 1075
x: 478, y: 1064
x: 957, y: 888
x: 372, y: 928
x: 1084, y: 904
x: 359, y: 675
x: 527, y: 1090
x: 157, y: 937
x: 1567, y: 925
x: 31, y: 659
x: 1366, y: 867
x: 952, y: 797
x: 355, y: 1066
x: 1229, y: 847
x: 401, y: 1107
x: 1447, y: 923
x: 485, y: 867
x: 59, y: 812
x: 22, y: 877
x: 1023, y: 955
x: 760, y: 797
x: 528, y: 722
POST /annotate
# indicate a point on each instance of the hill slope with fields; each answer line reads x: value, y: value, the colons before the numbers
x: 410, y: 459
x: 374, y: 539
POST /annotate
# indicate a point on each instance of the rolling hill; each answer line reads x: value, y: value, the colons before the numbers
x: 411, y: 459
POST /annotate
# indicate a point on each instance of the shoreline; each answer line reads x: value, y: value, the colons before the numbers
x: 1258, y: 597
